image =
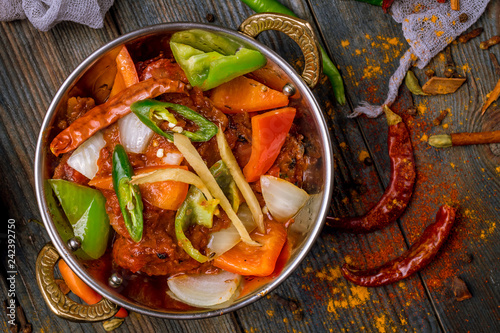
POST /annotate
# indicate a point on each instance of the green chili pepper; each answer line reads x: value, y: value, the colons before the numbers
x: 151, y: 112
x: 373, y: 2
x: 330, y: 70
x: 195, y: 209
x: 129, y: 196
x: 210, y: 59
x: 226, y: 182
x: 85, y: 209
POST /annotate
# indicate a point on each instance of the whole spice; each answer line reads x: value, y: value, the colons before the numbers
x: 329, y: 68
x: 412, y: 110
x: 463, y: 18
x: 416, y: 258
x: 430, y: 73
x: 112, y: 324
x: 105, y: 114
x: 413, y: 85
x: 463, y: 139
x: 449, y: 70
x: 442, y: 86
x: 460, y: 289
x: 440, y: 118
x: 494, y: 94
x: 494, y: 60
x: 397, y: 195
x: 489, y: 43
x: 465, y: 37
x: 21, y: 316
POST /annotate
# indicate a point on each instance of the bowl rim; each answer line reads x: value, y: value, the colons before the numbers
x: 77, y: 267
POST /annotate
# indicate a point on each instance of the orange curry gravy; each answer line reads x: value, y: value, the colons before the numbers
x: 145, y: 266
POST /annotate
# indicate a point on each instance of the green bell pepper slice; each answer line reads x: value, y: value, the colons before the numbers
x: 227, y: 184
x: 151, y: 112
x: 195, y: 209
x: 210, y: 59
x: 85, y: 209
x: 129, y: 196
x: 206, y: 41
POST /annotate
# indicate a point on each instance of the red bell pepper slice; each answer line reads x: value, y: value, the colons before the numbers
x: 269, y: 131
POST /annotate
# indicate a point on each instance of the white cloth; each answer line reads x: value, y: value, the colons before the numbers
x: 44, y: 14
x: 428, y: 26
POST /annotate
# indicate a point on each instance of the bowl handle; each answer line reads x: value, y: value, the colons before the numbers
x: 57, y: 301
x: 297, y: 29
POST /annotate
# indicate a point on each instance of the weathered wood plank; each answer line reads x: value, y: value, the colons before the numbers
x: 465, y: 176
x: 468, y: 177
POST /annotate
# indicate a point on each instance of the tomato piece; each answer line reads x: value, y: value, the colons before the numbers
x: 245, y: 259
x: 269, y: 131
x: 246, y: 95
x: 126, y: 74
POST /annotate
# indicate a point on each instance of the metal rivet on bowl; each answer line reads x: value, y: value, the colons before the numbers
x: 289, y: 89
x: 115, y: 280
x: 74, y: 244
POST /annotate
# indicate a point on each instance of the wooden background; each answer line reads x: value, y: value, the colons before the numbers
x: 367, y: 45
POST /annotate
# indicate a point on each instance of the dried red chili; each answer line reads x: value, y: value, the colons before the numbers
x: 397, y: 195
x: 105, y: 114
x: 386, y: 4
x: 417, y: 257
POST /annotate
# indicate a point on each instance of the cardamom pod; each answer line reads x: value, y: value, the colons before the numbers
x: 112, y: 324
x: 413, y: 85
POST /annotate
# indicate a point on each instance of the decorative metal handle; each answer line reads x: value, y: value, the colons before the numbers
x: 299, y: 30
x: 57, y: 301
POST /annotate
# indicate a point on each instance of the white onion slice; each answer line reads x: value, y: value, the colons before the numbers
x: 204, y: 290
x: 283, y: 199
x: 134, y: 135
x: 223, y: 240
x: 84, y: 158
x: 172, y: 159
x: 194, y: 159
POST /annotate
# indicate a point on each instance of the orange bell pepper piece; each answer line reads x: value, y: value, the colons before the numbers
x: 246, y: 95
x: 81, y: 289
x: 269, y: 131
x: 247, y: 259
x: 126, y: 74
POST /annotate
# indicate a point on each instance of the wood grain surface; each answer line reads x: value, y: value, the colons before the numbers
x: 366, y: 44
